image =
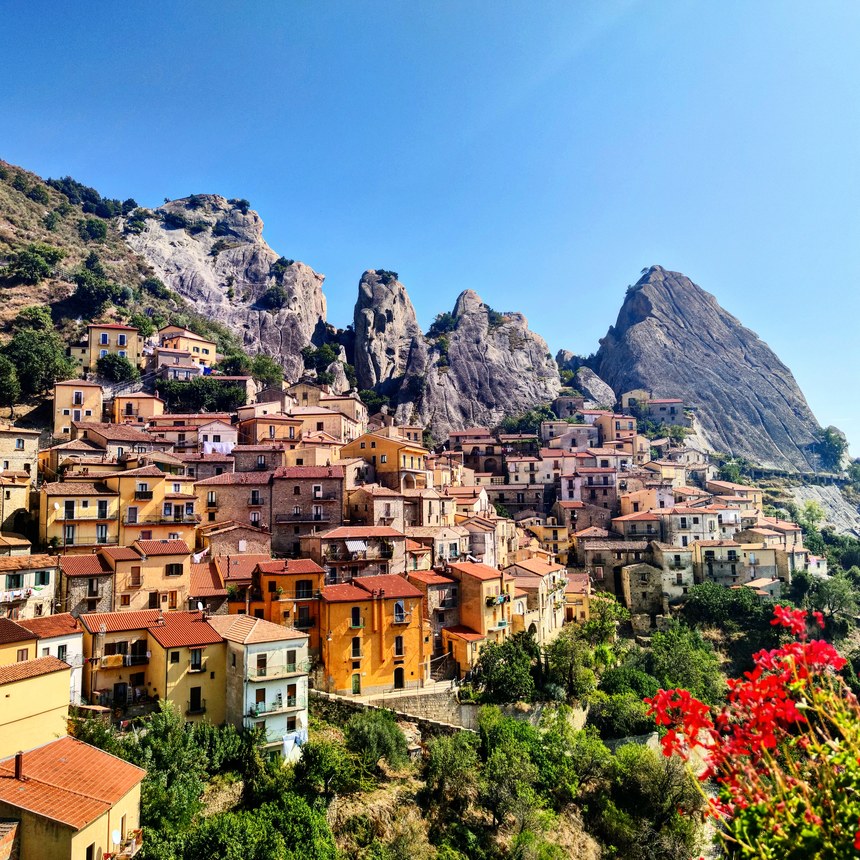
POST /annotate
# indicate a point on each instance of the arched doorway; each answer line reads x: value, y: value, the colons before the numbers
x: 399, y: 680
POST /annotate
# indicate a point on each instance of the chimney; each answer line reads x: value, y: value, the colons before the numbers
x: 19, y: 766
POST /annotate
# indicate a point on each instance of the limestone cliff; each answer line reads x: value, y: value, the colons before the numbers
x: 211, y: 251
x: 386, y: 331
x: 487, y: 366
x: 674, y: 339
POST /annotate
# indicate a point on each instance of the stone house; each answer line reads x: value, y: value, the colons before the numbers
x: 243, y: 497
x: 86, y: 584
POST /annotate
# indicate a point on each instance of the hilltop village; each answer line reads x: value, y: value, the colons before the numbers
x: 228, y: 562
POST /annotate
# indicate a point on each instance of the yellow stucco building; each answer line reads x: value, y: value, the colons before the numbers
x: 201, y: 350
x: 373, y: 635
x: 399, y: 465
x: 75, y: 400
x: 108, y: 339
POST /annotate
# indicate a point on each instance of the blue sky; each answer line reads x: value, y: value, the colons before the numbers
x: 539, y: 153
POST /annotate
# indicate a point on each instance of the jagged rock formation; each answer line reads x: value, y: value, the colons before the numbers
x: 211, y: 251
x: 674, y: 339
x: 593, y: 387
x: 386, y: 331
x: 489, y: 366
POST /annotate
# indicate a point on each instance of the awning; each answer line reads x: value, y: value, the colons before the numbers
x: 356, y: 545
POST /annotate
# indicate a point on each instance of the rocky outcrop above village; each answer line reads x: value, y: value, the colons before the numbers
x: 673, y: 339
x: 211, y: 251
x: 486, y: 366
x: 593, y: 387
x: 387, y: 333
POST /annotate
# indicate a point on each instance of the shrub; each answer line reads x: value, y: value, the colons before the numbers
x: 386, y: 276
x: 39, y: 194
x: 142, y: 323
x: 36, y: 317
x: 373, y: 736
x: 373, y: 400
x: 279, y: 268
x: 156, y: 287
x: 39, y: 358
x: 94, y: 291
x: 92, y: 230
x: 443, y: 324
x: 274, y: 298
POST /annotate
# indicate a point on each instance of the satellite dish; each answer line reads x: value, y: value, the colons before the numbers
x: 116, y: 837
x: 199, y: 606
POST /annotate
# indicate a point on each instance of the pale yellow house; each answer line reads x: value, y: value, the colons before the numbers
x: 150, y: 574
x: 399, y: 465
x: 108, y: 339
x: 75, y: 400
x: 17, y: 644
x: 19, y: 449
x: 67, y: 800
x: 137, y: 408
x: 78, y: 516
x: 201, y: 350
x: 35, y: 697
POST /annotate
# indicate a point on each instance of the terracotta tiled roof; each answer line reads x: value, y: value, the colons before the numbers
x: 392, y: 584
x: 68, y: 782
x: 205, y: 581
x: 536, y: 567
x: 114, y: 432
x: 414, y: 546
x: 77, y: 488
x: 85, y: 565
x: 237, y: 568
x: 142, y: 472
x: 162, y: 547
x: 578, y: 583
x: 183, y: 630
x: 10, y: 632
x: 592, y: 532
x: 115, y: 622
x: 463, y: 632
x: 430, y: 577
x: 478, y: 571
x: 290, y: 566
x: 77, y: 383
x: 249, y: 630
x: 637, y: 517
x: 50, y: 626
x: 344, y: 593
x: 119, y: 553
x: 349, y: 532
x: 31, y: 669
x: 27, y: 562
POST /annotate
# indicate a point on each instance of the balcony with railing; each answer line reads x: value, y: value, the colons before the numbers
x: 279, y: 705
x: 195, y: 708
x: 136, y: 659
x: 273, y: 671
x: 195, y: 666
x: 143, y: 495
x: 402, y: 618
x: 129, y: 847
x: 303, y: 517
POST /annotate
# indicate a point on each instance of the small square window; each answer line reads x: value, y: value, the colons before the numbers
x: 174, y: 657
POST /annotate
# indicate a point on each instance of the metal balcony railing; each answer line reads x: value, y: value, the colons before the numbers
x: 193, y: 709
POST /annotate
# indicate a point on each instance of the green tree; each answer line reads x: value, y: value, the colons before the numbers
x: 832, y: 447
x: 506, y: 786
x: 10, y: 387
x: 117, y: 368
x: 452, y: 771
x: 605, y: 615
x: 37, y: 317
x: 619, y: 715
x: 94, y: 291
x: 679, y: 657
x: 373, y: 736
x: 373, y: 400
x: 34, y: 263
x: 235, y: 364
x: 325, y: 768
x: 39, y: 359
x: 142, y: 323
x: 504, y: 672
x: 266, y: 370
x: 834, y: 596
x: 570, y: 664
x: 442, y: 324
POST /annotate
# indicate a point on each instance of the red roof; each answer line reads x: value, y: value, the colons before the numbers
x: 463, y: 632
x: 235, y: 568
x: 115, y: 622
x: 162, y: 547
x: 478, y: 571
x: 112, y: 326
x: 68, y: 782
x: 10, y: 631
x: 290, y: 566
x: 348, y: 532
x: 31, y: 669
x: 84, y: 565
x: 430, y: 577
x: 121, y: 553
x: 344, y: 593
x: 183, y: 630
x: 236, y: 479
x: 392, y: 584
x: 49, y: 626
x: 205, y: 581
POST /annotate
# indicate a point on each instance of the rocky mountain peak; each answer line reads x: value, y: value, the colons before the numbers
x: 211, y: 251
x: 468, y: 302
x: 386, y: 330
x: 673, y: 339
